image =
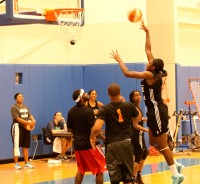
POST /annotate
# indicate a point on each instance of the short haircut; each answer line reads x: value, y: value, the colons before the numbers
x: 15, y: 96
x: 76, y: 94
x: 113, y: 89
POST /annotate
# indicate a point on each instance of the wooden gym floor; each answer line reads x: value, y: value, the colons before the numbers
x: 155, y: 171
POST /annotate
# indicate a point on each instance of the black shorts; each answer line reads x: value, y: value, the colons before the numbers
x: 24, y: 137
x: 119, y: 160
x: 139, y: 147
x: 158, y: 119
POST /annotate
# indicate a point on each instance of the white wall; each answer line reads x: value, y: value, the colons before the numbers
x: 106, y: 28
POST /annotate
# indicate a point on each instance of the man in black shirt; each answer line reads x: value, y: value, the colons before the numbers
x: 118, y: 117
x: 80, y: 121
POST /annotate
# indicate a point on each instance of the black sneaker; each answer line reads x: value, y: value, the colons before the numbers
x: 138, y: 180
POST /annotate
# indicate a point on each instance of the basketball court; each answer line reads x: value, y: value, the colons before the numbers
x: 155, y: 171
x: 68, y: 16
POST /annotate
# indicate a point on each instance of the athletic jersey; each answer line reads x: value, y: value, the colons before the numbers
x: 118, y: 118
x: 95, y: 107
x: 157, y: 111
x: 81, y: 119
x: 152, y: 93
x: 136, y: 132
x: 20, y: 111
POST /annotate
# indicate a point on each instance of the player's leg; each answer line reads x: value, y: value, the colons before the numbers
x: 79, y: 178
x: 167, y: 153
x: 99, y: 178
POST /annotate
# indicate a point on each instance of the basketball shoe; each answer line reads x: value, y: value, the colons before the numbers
x: 17, y: 166
x: 180, y: 167
x: 28, y: 166
x: 138, y: 179
x: 177, y: 179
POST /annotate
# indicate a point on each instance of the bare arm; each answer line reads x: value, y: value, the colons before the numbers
x: 95, y: 131
x: 147, y: 43
x: 26, y: 122
x: 32, y: 118
x: 100, y: 104
x: 138, y: 119
x: 101, y: 136
x: 139, y: 127
x: 127, y: 72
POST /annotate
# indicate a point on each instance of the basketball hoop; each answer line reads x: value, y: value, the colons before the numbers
x: 69, y: 21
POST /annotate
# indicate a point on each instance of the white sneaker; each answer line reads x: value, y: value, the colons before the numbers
x: 180, y: 168
x: 28, y: 165
x: 17, y: 166
x: 177, y: 179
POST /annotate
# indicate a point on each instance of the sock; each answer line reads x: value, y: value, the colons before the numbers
x: 177, y: 163
x: 174, y: 170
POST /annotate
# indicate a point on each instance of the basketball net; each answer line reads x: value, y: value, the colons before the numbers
x: 194, y: 88
x: 70, y: 21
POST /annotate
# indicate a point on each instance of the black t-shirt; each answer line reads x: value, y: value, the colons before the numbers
x: 81, y: 119
x: 118, y: 118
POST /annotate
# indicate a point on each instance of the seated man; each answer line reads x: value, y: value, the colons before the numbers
x: 58, y: 123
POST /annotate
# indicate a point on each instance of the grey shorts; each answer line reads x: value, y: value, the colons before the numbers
x: 119, y: 160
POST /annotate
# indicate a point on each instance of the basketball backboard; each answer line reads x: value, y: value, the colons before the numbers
x: 33, y: 11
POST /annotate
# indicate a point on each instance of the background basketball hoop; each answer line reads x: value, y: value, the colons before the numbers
x: 69, y: 21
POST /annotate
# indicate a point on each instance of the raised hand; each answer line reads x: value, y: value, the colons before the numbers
x: 115, y: 55
x: 143, y: 27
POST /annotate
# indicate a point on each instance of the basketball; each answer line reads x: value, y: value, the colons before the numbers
x: 134, y: 15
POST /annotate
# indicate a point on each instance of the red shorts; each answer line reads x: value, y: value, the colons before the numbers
x: 91, y: 160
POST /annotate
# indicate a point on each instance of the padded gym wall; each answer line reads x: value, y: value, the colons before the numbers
x: 46, y: 89
x: 98, y: 77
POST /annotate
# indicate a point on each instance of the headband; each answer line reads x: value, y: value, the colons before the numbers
x: 80, y: 96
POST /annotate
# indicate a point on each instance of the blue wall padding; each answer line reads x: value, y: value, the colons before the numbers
x: 48, y: 88
x: 6, y: 91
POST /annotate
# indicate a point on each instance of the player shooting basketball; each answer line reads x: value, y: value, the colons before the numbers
x: 157, y: 111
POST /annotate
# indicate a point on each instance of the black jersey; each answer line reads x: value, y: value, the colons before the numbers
x: 157, y: 111
x: 118, y: 118
x: 136, y: 132
x: 95, y: 107
x: 152, y: 93
x: 81, y: 119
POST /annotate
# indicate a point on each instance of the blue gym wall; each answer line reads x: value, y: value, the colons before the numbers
x: 48, y: 88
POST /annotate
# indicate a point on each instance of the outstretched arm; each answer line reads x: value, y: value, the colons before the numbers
x: 147, y: 43
x: 126, y: 71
